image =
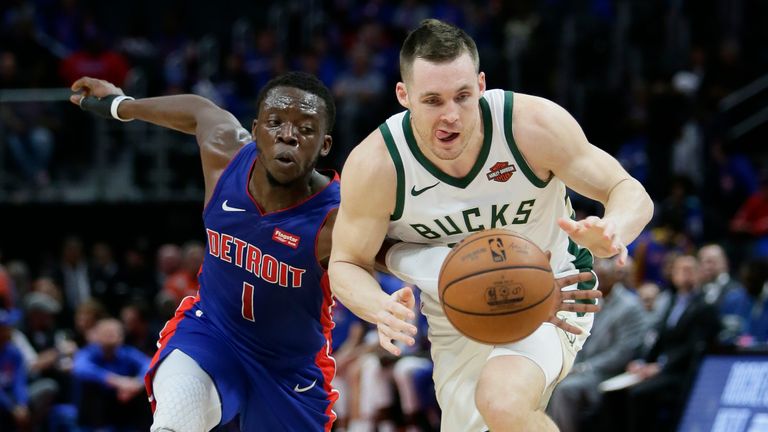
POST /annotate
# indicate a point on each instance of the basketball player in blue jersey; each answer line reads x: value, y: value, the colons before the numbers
x: 461, y: 159
x: 255, y: 341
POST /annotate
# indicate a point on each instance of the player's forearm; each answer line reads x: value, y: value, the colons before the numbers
x: 178, y: 112
x: 630, y: 207
x: 357, y: 289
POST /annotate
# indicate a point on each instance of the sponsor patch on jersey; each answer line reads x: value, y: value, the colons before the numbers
x: 501, y: 172
x: 286, y: 238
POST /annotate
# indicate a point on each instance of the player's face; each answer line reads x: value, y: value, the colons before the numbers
x: 443, y: 100
x: 290, y: 134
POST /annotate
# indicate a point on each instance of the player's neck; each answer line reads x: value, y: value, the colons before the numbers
x: 272, y: 196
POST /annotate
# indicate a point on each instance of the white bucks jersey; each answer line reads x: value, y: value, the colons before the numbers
x: 500, y: 191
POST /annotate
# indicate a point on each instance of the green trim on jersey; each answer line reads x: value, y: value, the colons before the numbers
x: 395, y: 155
x: 583, y: 261
x: 462, y: 182
x: 529, y: 174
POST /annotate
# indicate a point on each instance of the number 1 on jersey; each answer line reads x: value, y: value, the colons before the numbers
x: 248, y: 302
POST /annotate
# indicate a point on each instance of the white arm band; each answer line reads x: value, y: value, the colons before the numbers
x: 115, y: 103
x: 417, y: 263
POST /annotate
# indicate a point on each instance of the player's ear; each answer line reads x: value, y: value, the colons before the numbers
x: 402, y: 94
x: 254, y: 125
x: 481, y: 82
x: 326, y: 148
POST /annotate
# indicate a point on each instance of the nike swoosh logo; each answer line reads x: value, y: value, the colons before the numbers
x: 225, y: 207
x: 417, y: 192
x: 298, y: 389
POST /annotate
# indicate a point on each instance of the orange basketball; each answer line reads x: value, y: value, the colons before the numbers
x: 496, y: 286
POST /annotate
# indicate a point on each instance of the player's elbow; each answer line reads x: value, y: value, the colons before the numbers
x: 336, y: 276
x: 647, y: 208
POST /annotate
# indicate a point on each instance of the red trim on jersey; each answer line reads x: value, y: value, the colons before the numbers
x: 165, y: 335
x: 323, y: 359
x: 317, y: 235
x: 334, y: 178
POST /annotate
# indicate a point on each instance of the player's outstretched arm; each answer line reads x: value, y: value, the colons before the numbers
x: 562, y: 148
x: 185, y: 113
x: 219, y: 134
x: 367, y: 199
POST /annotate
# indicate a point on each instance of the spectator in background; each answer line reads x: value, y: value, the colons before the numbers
x: 168, y: 262
x: 674, y: 349
x: 104, y: 272
x: 183, y: 282
x: 724, y: 292
x: 50, y: 349
x: 86, y: 316
x: 681, y: 209
x: 14, y: 411
x: 136, y: 318
x: 751, y: 220
x: 357, y: 91
x: 7, y: 294
x: 110, y: 383
x: 754, y: 275
x: 138, y: 274
x: 617, y: 334
x: 648, y: 293
x: 95, y: 59
x: 27, y: 127
x: 72, y: 276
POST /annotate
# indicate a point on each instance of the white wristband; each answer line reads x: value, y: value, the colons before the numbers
x: 113, y: 108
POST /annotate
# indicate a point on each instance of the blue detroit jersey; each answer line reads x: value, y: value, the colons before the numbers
x: 260, y: 281
x: 261, y: 323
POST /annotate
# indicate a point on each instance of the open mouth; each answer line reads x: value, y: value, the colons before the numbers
x: 285, y: 158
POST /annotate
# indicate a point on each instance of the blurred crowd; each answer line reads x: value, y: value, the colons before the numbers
x: 659, y: 84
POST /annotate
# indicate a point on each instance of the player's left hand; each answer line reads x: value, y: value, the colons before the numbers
x: 596, y: 234
x: 87, y: 86
x: 564, y: 300
x: 393, y: 322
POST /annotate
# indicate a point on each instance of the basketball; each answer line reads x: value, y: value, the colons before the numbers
x: 496, y: 286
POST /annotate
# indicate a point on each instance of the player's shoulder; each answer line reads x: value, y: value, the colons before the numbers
x: 536, y: 117
x: 539, y: 109
x: 371, y: 157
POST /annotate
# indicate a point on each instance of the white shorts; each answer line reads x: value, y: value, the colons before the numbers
x: 459, y: 361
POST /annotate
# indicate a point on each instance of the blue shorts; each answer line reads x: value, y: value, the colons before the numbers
x: 267, y: 399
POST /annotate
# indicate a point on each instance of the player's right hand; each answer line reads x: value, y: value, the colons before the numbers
x: 392, y: 321
x: 87, y: 86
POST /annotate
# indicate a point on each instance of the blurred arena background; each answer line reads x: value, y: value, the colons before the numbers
x: 98, y: 215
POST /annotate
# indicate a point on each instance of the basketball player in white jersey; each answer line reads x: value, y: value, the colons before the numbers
x: 459, y: 160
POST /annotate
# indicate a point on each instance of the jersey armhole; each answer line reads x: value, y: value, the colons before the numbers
x: 225, y: 173
x: 521, y: 162
x: 397, y: 213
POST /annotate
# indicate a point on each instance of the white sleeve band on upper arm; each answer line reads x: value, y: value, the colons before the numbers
x: 417, y: 263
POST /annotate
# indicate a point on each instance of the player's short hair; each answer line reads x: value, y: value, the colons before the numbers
x: 437, y: 42
x: 302, y: 81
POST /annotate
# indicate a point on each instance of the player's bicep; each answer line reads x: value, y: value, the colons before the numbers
x: 568, y: 154
x: 219, y: 143
x: 367, y: 200
x: 591, y: 172
x: 356, y: 238
x: 220, y: 135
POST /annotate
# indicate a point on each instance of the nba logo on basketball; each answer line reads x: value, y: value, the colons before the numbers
x: 497, y: 250
x: 501, y: 172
